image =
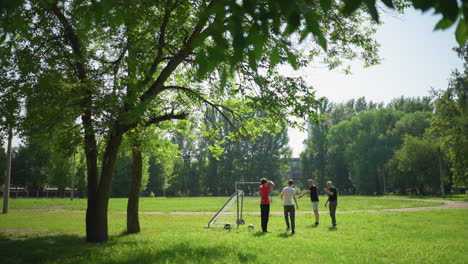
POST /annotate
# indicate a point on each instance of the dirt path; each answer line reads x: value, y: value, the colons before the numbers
x: 447, y: 204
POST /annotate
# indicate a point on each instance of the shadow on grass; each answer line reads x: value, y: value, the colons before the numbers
x: 185, y: 252
x: 285, y: 235
x: 333, y: 228
x: 44, y: 249
x: 74, y: 249
x: 259, y: 234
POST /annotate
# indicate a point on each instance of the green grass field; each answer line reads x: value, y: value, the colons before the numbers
x: 210, y: 204
x: 409, y: 237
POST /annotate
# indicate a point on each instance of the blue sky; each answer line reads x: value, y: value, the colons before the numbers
x: 415, y: 58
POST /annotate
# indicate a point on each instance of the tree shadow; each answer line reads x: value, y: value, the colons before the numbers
x: 185, y: 252
x: 44, y: 249
x: 74, y: 249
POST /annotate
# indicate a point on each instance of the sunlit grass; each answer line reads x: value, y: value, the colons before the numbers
x: 407, y: 237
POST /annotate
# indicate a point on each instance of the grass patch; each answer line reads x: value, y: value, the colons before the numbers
x: 210, y: 204
x: 408, y: 237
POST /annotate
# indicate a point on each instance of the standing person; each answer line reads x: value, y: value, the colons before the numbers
x: 264, y: 190
x: 312, y: 192
x: 288, y: 195
x: 332, y: 200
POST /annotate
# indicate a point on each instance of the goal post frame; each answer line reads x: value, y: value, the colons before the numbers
x: 239, y: 215
x: 239, y: 196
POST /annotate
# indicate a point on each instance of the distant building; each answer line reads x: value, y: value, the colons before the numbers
x: 294, y: 172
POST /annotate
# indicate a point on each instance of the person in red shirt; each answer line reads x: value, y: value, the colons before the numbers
x: 264, y: 190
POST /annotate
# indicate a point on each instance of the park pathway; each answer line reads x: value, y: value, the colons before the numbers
x: 447, y: 205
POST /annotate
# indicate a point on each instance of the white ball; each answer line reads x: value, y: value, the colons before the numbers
x: 251, y: 226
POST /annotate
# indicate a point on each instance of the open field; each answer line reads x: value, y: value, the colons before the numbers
x: 210, y: 204
x: 405, y: 237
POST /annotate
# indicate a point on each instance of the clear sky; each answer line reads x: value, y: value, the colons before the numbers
x: 414, y: 59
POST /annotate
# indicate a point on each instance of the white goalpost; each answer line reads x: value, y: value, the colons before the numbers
x: 231, y: 213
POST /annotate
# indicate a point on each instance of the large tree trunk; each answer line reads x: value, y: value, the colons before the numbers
x: 6, y: 191
x: 133, y: 223
x: 100, y: 201
x: 92, y: 173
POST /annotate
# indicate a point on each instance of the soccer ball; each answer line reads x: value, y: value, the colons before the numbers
x: 227, y: 226
x: 251, y: 226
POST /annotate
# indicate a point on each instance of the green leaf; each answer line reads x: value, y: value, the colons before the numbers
x: 449, y: 8
x: 274, y: 57
x: 465, y: 13
x: 444, y: 23
x: 252, y: 60
x: 461, y: 33
x: 314, y: 27
x: 294, y: 21
x: 325, y: 4
x: 292, y: 59
x: 351, y: 6
x: 202, y: 62
x: 2, y: 38
x: 223, y: 79
x: 423, y: 4
x: 372, y: 10
x: 388, y: 3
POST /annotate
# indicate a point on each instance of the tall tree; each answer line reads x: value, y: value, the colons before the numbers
x: 314, y: 158
x: 449, y: 126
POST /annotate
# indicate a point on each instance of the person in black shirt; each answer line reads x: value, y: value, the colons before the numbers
x: 312, y: 192
x: 332, y: 200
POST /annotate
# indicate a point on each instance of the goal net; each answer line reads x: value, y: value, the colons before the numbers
x: 231, y: 213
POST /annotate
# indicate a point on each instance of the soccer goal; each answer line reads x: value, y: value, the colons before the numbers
x: 231, y: 213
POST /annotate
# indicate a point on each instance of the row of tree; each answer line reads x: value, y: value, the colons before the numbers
x: 185, y: 163
x: 417, y: 145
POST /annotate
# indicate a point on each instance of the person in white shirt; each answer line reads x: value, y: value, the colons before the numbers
x: 288, y: 195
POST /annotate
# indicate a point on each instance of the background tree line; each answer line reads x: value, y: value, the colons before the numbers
x: 185, y: 162
x: 411, y: 145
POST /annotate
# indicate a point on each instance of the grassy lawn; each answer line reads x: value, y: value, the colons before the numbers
x: 200, y: 204
x: 408, y: 237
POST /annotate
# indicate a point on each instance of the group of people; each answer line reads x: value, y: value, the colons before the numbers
x: 288, y: 196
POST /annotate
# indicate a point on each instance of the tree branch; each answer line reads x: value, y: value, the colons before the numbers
x: 73, y: 40
x: 165, y: 117
x: 158, y: 86
x: 161, y: 43
x: 217, y: 107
